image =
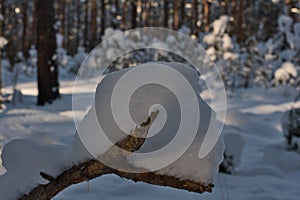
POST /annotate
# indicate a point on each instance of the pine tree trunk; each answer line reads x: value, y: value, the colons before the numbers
x: 48, y: 86
x: 234, y: 15
x: 32, y: 29
x: 62, y: 21
x: 226, y: 7
x: 78, y: 27
x: 86, y: 25
x: 146, y: 13
x: 176, y: 5
x: 134, y: 13
x: 1, y: 34
x: 25, y: 45
x: 124, y: 15
x: 289, y: 5
x: 240, y: 33
x: 195, y: 28
x: 206, y: 15
x: 114, y: 22
x: 166, y: 13
x: 103, y: 17
x: 182, y: 19
x: 93, y: 24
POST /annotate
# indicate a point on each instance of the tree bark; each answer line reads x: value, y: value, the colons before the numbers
x: 235, y: 17
x: 124, y: 13
x: 1, y: 34
x: 226, y: 7
x: 206, y: 15
x: 134, y: 13
x: 289, y: 5
x: 103, y: 16
x: 240, y: 33
x: 176, y: 5
x: 48, y: 87
x: 63, y: 22
x: 25, y: 41
x: 166, y: 13
x: 93, y: 168
x: 182, y: 19
x: 145, y: 14
x: 195, y: 28
x: 78, y: 27
x: 86, y: 24
x: 93, y: 39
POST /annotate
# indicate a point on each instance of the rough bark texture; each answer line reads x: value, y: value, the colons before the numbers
x: 46, y: 46
x: 63, y: 22
x: 240, y: 23
x: 86, y: 24
x: 103, y: 17
x: 176, y: 5
x: 93, y: 25
x: 166, y: 13
x: 124, y: 15
x: 206, y: 15
x: 1, y: 28
x: 25, y: 41
x: 133, y: 13
x: 94, y: 168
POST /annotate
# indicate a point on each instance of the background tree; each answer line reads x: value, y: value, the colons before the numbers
x: 1, y: 28
x: 48, y: 86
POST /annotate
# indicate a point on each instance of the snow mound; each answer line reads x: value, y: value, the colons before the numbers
x: 234, y: 144
x: 209, y: 39
x: 286, y: 71
x: 188, y: 165
x: 24, y: 159
x: 227, y: 42
x: 220, y: 25
x: 285, y: 23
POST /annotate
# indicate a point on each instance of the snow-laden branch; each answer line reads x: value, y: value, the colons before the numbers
x: 93, y: 168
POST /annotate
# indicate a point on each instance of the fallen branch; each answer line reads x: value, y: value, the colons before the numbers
x: 94, y: 168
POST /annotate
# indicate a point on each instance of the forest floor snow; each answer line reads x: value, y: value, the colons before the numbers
x: 266, y: 171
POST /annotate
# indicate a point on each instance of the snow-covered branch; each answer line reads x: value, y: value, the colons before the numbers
x: 91, y: 169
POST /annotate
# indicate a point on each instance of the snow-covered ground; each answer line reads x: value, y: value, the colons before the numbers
x: 265, y: 172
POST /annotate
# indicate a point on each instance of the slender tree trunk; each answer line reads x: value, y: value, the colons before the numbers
x: 240, y: 34
x: 289, y: 5
x: 176, y: 5
x: 182, y: 20
x: 124, y: 14
x: 235, y: 17
x: 25, y: 45
x: 134, y: 13
x: 1, y: 34
x: 78, y: 33
x: 226, y: 7
x: 86, y: 24
x: 32, y: 29
x: 48, y: 86
x: 63, y: 22
x: 139, y: 13
x: 93, y: 26
x: 114, y: 22
x: 166, y: 13
x: 195, y: 28
x: 206, y: 15
x: 146, y: 16
x: 103, y: 16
